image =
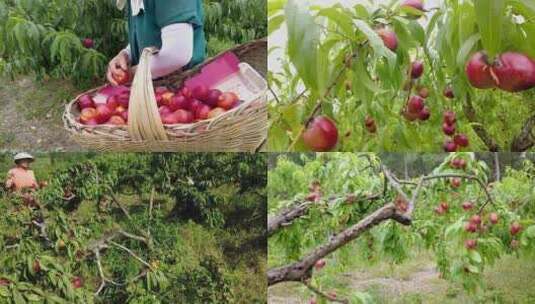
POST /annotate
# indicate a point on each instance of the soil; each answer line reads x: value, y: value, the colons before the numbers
x: 30, y: 115
x: 423, y: 281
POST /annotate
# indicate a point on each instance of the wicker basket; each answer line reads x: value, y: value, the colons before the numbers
x: 242, y: 129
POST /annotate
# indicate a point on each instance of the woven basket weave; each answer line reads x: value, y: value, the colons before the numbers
x: 242, y: 129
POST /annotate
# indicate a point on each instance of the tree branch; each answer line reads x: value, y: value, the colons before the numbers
x: 299, y: 209
x: 103, y: 243
x: 116, y: 201
x: 302, y: 269
x: 478, y: 128
x: 450, y: 175
x: 526, y: 139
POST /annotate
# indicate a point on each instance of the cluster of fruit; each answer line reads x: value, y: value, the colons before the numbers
x: 416, y: 108
x: 184, y: 106
x: 511, y: 72
x: 475, y: 222
x: 455, y: 141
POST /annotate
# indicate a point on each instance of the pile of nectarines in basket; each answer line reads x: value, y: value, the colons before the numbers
x: 109, y: 106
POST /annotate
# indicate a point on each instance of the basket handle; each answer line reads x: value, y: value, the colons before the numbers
x: 144, y: 123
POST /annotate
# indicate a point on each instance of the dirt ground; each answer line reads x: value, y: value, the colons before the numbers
x: 417, y: 281
x: 423, y: 281
x: 30, y: 115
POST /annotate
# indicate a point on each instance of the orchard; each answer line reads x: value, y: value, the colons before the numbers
x: 76, y: 39
x: 405, y: 75
x: 136, y: 228
x: 452, y: 214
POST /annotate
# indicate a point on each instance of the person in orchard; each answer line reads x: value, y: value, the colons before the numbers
x: 21, y: 177
x: 174, y: 27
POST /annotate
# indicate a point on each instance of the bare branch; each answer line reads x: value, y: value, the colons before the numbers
x: 119, y: 204
x: 104, y: 242
x: 393, y: 181
x: 130, y: 252
x: 286, y: 217
x: 151, y: 202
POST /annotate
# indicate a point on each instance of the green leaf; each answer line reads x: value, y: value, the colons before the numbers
x: 303, y: 39
x: 474, y: 256
x: 17, y: 297
x: 274, y: 6
x: 466, y: 49
x: 530, y: 231
x: 275, y: 23
x: 361, y: 11
x: 490, y: 16
x: 472, y: 268
x: 278, y: 139
x: 417, y: 31
x: 339, y: 17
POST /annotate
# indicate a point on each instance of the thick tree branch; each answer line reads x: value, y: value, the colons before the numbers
x: 299, y: 209
x: 302, y: 269
x: 481, y: 132
x: 286, y: 217
x: 526, y: 139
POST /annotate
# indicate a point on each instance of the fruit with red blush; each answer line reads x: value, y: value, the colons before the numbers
x: 216, y: 112
x: 213, y: 97
x: 116, y: 120
x: 201, y: 113
x: 103, y: 113
x: 88, y: 114
x: 200, y: 92
x: 122, y: 77
x: 321, y: 134
x: 85, y: 101
x: 228, y: 100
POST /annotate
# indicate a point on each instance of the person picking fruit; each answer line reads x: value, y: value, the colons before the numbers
x: 175, y: 27
x: 21, y: 177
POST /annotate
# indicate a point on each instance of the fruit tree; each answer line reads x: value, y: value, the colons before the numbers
x: 137, y: 228
x: 76, y: 39
x: 330, y: 208
x: 403, y: 76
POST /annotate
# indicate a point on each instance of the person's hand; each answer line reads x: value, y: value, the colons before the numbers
x: 9, y: 180
x: 117, y: 65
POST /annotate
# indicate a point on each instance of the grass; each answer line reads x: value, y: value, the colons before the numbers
x: 509, y: 281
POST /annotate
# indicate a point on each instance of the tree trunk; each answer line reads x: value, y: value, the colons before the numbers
x: 497, y: 166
